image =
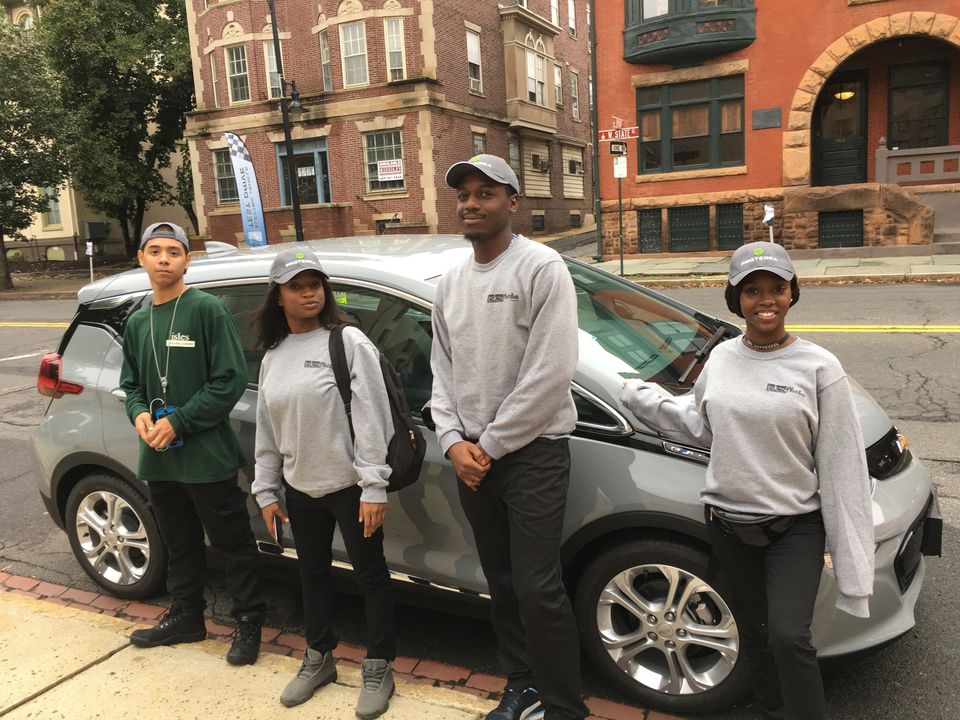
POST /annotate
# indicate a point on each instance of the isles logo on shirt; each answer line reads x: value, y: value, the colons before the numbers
x: 180, y: 340
x: 502, y: 297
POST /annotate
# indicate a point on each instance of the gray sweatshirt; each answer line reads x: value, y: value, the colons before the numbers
x: 505, y: 350
x: 784, y: 439
x: 302, y: 431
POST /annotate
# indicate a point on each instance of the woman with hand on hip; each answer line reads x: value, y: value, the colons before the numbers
x: 304, y: 448
x: 787, y: 476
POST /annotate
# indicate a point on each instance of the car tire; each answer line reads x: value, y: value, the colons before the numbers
x: 115, y: 537
x: 657, y: 629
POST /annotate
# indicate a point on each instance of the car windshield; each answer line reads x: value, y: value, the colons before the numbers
x: 633, y: 332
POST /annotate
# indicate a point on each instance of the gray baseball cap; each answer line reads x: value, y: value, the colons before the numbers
x: 165, y: 230
x: 760, y: 256
x: 495, y: 168
x: 290, y: 263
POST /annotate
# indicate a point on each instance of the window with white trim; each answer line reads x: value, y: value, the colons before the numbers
x: 380, y: 146
x: 226, y: 181
x: 474, y: 68
x: 51, y: 216
x: 572, y: 17
x: 353, y: 50
x: 311, y: 169
x: 273, y: 75
x: 238, y: 81
x: 555, y: 12
x: 575, y: 95
x: 558, y: 83
x: 479, y: 143
x: 325, y: 61
x: 393, y: 41
x: 536, y: 80
x: 214, y: 80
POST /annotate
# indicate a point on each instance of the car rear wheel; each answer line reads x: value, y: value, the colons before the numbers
x: 115, y: 537
x: 655, y: 627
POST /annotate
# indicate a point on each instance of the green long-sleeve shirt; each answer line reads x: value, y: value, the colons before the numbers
x: 206, y: 377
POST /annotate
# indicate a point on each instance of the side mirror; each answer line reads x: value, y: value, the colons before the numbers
x: 427, y: 417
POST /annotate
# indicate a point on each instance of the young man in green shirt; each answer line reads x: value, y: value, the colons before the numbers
x: 183, y: 371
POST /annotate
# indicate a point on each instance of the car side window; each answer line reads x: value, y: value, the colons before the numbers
x: 400, y: 330
x: 243, y: 302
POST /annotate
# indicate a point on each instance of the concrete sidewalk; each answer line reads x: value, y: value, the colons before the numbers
x: 62, y: 662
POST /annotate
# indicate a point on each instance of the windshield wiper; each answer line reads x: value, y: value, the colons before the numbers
x: 703, y: 352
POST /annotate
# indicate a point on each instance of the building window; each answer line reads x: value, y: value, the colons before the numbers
x: 479, y: 143
x: 539, y: 222
x: 590, y: 93
x: 51, y: 217
x: 558, y: 83
x: 654, y: 8
x: 555, y: 12
x: 691, y: 125
x: 713, y: 3
x: 918, y: 106
x: 515, y: 157
x: 536, y: 80
x: 353, y: 49
x: 473, y: 61
x: 226, y: 180
x: 25, y: 22
x: 575, y: 95
x: 589, y: 23
x: 393, y: 39
x: 325, y: 61
x: 214, y: 80
x: 572, y: 17
x: 311, y: 169
x: 273, y: 76
x: 238, y: 80
x: 384, y: 158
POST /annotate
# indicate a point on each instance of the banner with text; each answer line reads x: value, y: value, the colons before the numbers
x: 251, y: 206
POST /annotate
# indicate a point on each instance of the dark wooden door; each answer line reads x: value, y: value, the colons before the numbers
x: 840, y: 130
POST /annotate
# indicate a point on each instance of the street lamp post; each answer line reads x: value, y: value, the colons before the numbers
x: 294, y: 101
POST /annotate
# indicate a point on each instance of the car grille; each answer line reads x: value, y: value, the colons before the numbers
x: 908, y: 557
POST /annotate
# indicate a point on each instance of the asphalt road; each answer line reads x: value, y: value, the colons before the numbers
x: 914, y: 376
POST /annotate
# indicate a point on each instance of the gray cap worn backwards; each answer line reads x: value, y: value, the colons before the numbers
x: 760, y: 256
x: 164, y: 230
x: 290, y: 263
x: 493, y: 167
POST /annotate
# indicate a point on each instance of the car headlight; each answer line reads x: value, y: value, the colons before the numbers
x: 889, y: 455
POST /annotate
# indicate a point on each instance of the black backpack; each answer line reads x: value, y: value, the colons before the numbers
x: 406, y: 448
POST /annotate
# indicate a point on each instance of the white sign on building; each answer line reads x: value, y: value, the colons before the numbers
x: 389, y: 170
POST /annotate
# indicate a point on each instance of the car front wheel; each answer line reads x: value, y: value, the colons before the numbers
x: 115, y: 538
x: 654, y: 626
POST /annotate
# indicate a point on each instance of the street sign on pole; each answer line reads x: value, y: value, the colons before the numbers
x: 623, y: 133
x: 620, y: 166
x: 618, y: 147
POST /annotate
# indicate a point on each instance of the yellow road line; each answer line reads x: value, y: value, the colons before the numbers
x: 875, y: 328
x: 34, y: 324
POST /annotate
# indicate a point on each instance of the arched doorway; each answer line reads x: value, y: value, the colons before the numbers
x: 823, y: 108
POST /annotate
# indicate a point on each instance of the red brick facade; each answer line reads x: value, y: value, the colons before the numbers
x: 799, y: 49
x: 433, y: 108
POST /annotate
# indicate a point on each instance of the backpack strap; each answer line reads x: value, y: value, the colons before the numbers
x: 338, y: 357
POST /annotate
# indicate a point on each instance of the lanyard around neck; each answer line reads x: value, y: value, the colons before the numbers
x: 153, y: 346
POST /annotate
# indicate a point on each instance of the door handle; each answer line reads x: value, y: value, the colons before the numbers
x: 119, y: 395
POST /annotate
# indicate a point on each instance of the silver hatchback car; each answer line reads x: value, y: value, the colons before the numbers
x: 653, y: 620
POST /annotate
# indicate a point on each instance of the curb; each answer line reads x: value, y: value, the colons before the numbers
x: 274, y: 640
x: 27, y: 295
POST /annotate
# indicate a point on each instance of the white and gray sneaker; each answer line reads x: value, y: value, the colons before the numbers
x: 376, y: 687
x: 318, y: 669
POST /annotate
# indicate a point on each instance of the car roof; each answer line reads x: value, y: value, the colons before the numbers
x: 381, y: 258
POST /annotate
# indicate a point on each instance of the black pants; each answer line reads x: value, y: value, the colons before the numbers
x: 517, y: 519
x: 183, y: 512
x: 773, y: 590
x: 313, y: 521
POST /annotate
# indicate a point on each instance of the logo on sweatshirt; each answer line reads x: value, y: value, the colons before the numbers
x: 502, y: 297
x: 180, y: 340
x: 785, y: 389
x: 316, y: 364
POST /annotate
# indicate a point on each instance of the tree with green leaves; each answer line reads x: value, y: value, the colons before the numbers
x: 127, y: 79
x: 32, y: 129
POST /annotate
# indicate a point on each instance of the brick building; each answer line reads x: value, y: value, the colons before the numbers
x: 421, y: 83
x: 842, y: 114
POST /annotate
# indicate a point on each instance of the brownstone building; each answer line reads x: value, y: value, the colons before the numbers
x: 842, y: 114
x: 392, y: 92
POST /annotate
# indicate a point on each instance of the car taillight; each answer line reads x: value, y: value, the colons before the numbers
x: 49, y: 383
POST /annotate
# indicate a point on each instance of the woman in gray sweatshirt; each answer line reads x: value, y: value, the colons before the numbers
x: 787, y: 476
x: 304, y: 449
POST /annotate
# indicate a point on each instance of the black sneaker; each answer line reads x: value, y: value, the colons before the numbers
x: 246, y: 642
x: 174, y: 627
x: 517, y: 705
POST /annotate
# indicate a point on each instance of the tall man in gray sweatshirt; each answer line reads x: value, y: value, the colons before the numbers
x: 504, y: 353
